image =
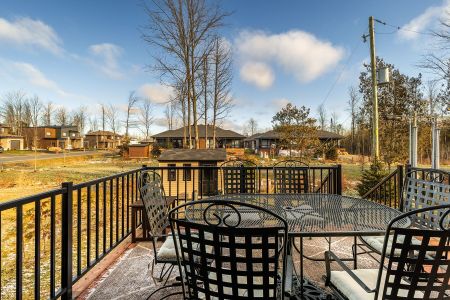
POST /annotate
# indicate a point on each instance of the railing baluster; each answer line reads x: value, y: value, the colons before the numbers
x: 52, y: 247
x: 117, y: 209
x: 104, y: 217
x: 128, y: 202
x: 111, y: 213
x: 88, y: 226
x: 37, y: 249
x: 79, y: 254
x: 19, y: 251
x: 97, y: 225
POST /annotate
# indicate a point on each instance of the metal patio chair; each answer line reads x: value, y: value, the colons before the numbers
x: 291, y: 176
x: 247, y: 260
x: 156, y: 211
x: 411, y: 272
x: 422, y: 188
x: 239, y: 177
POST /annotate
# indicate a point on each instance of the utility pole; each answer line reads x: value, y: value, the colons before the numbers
x: 373, y: 62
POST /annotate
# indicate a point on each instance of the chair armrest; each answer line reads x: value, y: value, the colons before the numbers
x: 329, y: 256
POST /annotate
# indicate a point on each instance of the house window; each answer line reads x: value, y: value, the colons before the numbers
x: 187, y: 172
x: 2, y: 130
x: 265, y: 143
x: 73, y: 134
x: 172, y: 172
x: 48, y: 133
x: 64, y: 134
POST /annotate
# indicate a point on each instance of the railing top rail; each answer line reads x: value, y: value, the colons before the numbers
x: 29, y: 199
x: 218, y: 167
x: 102, y: 179
x: 383, y: 181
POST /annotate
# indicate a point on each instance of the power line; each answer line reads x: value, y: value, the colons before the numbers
x: 398, y: 28
x: 352, y: 51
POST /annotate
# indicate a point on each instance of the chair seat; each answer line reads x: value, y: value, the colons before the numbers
x: 353, y: 291
x: 376, y: 243
x: 167, y: 250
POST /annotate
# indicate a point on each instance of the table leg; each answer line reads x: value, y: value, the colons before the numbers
x: 301, y: 267
x: 289, y: 268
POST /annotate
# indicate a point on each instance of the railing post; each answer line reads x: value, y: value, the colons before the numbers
x: 339, y: 180
x: 400, y: 185
x: 66, y: 247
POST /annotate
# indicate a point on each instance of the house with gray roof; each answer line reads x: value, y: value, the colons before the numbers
x: 264, y: 142
x: 224, y: 138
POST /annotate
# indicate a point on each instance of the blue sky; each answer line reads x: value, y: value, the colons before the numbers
x: 89, y: 52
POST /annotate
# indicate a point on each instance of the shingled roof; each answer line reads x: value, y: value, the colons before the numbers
x: 193, y: 155
x: 273, y: 135
x: 220, y: 133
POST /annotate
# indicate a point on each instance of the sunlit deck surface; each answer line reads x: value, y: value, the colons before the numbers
x: 129, y: 277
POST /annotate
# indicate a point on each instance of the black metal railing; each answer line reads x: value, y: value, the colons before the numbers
x: 388, y: 190
x: 50, y: 240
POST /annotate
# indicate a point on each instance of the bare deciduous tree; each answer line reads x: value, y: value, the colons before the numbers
x: 48, y: 114
x: 352, y: 108
x: 132, y: 101
x: 252, y: 127
x: 62, y: 116
x: 79, y: 117
x: 182, y: 30
x: 112, y: 117
x: 322, y: 116
x: 222, y: 77
x: 13, y: 110
x: 145, y: 117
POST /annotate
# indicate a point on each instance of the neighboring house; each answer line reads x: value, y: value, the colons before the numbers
x: 224, y: 138
x: 191, y: 182
x: 10, y: 141
x: 102, y: 139
x: 64, y: 137
x: 267, y: 141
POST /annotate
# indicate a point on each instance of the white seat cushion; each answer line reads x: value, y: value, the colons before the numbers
x: 353, y: 291
x: 376, y: 242
x: 167, y: 250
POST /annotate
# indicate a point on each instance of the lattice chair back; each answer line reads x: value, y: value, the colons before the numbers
x: 156, y: 207
x: 417, y: 270
x: 291, y: 177
x: 239, y: 177
x: 148, y: 176
x: 426, y: 188
x: 224, y: 255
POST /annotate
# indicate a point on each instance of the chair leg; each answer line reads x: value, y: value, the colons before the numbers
x: 165, y: 287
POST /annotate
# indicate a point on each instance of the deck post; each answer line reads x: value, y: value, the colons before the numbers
x: 339, y: 179
x: 66, y: 245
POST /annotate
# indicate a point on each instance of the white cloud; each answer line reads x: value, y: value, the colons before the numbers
x: 297, y: 52
x: 257, y: 73
x: 38, y: 79
x: 156, y: 93
x: 29, y: 32
x: 428, y: 18
x: 109, y: 54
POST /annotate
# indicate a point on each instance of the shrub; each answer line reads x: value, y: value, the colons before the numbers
x: 331, y: 153
x: 156, y: 151
x: 370, y: 177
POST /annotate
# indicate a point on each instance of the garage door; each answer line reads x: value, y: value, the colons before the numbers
x: 15, y: 144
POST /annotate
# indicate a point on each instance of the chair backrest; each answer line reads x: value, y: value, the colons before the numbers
x: 425, y: 188
x: 225, y: 253
x: 147, y: 176
x: 156, y: 207
x: 418, y: 262
x: 291, y: 177
x: 239, y: 177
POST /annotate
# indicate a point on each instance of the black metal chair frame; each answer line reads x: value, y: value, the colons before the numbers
x: 239, y: 177
x: 417, y: 193
x: 291, y: 176
x: 156, y: 211
x: 221, y: 227
x: 407, y: 261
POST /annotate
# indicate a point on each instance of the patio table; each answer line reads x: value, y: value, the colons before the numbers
x: 318, y: 215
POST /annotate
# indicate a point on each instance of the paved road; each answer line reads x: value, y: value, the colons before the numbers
x: 42, y: 156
